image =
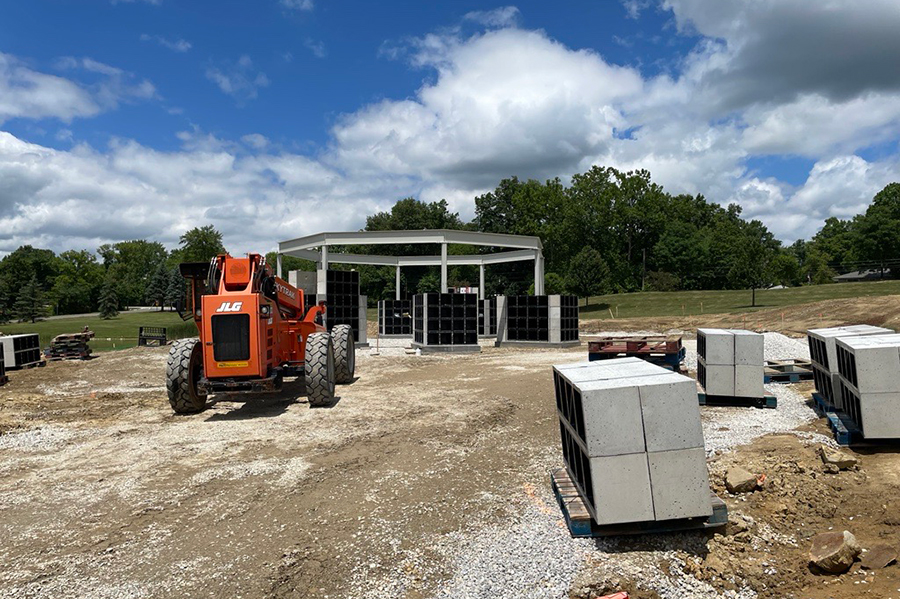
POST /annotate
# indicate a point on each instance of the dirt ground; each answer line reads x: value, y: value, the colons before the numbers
x: 105, y: 493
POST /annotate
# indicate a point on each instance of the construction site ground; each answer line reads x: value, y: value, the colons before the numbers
x: 429, y: 477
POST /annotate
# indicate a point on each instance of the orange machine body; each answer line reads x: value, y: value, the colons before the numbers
x: 251, y: 323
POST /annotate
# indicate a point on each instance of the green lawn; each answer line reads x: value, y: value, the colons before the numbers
x: 678, y: 303
x: 115, y: 333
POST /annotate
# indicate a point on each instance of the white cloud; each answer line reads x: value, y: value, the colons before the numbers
x: 506, y: 16
x: 305, y: 5
x: 240, y: 80
x: 317, y: 48
x: 255, y: 141
x: 176, y: 45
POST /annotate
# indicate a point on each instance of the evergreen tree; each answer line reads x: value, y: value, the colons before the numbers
x: 109, y: 300
x: 5, y: 313
x: 175, y: 288
x: 159, y: 285
x: 30, y: 303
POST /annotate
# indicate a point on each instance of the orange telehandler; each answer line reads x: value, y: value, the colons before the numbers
x: 253, y: 333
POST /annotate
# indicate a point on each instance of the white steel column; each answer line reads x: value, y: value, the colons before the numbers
x: 397, y: 284
x: 278, y: 265
x: 321, y: 276
x: 481, y: 281
x: 538, y: 273
x: 443, y: 268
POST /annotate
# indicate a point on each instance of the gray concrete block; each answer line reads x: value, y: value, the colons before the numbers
x: 877, y: 362
x: 880, y: 415
x: 363, y: 323
x: 613, y: 422
x: 622, y: 489
x: 749, y: 348
x: 719, y: 346
x: 304, y: 280
x: 554, y: 301
x: 828, y: 337
x: 719, y: 380
x: 748, y: 381
x: 671, y: 412
x: 680, y: 484
x: 610, y: 369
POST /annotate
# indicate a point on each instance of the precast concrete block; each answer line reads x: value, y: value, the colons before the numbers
x: 715, y: 346
x: 671, y: 412
x: 613, y: 422
x: 823, y: 342
x: 870, y: 364
x: 621, y: 486
x: 611, y: 369
x: 555, y: 314
x: 554, y: 301
x: 749, y: 349
x: 363, y: 315
x: 879, y: 415
x: 748, y: 381
x: 680, y: 484
x: 718, y: 379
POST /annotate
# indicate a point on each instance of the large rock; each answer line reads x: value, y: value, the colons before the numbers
x: 834, y: 552
x: 738, y: 480
x: 841, y: 459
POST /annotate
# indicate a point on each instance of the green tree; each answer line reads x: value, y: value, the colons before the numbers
x: 588, y: 274
x: 159, y: 284
x: 786, y: 269
x: 77, y: 286
x: 876, y: 234
x: 176, y: 287
x: 109, y: 301
x: 133, y: 265
x: 430, y: 283
x: 26, y: 262
x: 200, y: 244
x: 751, y: 258
x: 5, y: 309
x: 30, y: 303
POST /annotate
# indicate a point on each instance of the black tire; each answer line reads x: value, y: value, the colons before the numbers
x: 319, y: 369
x: 183, y: 371
x: 344, y: 353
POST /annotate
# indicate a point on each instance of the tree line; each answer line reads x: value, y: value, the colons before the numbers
x: 38, y: 282
x: 608, y: 231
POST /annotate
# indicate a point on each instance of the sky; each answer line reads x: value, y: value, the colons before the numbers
x: 273, y: 119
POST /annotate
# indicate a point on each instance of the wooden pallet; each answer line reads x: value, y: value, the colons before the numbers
x: 581, y: 525
x: 767, y: 401
x: 787, y: 371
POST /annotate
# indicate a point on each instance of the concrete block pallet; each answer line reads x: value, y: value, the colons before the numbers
x: 788, y: 371
x: 339, y: 289
x: 823, y: 357
x: 869, y: 382
x: 632, y: 442
x: 730, y: 367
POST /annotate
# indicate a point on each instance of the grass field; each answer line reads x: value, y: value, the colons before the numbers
x: 678, y: 303
x: 115, y: 333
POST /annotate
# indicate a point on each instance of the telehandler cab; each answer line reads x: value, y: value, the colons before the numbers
x: 253, y: 333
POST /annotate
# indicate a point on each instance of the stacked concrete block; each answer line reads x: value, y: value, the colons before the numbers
x: 487, y: 317
x: 21, y: 350
x: 823, y: 357
x: 869, y: 383
x: 632, y: 440
x: 344, y: 304
x: 545, y: 320
x: 395, y: 318
x: 445, y: 322
x: 730, y: 362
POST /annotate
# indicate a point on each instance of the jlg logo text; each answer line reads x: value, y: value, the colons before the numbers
x: 230, y: 307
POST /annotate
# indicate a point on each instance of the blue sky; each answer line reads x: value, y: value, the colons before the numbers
x: 278, y: 118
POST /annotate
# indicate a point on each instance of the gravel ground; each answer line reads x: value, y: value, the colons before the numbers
x: 533, y: 555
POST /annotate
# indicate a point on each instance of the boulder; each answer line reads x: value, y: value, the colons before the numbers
x: 841, y: 459
x: 834, y: 552
x: 738, y: 480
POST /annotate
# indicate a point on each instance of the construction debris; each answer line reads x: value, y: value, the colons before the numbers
x: 880, y: 556
x: 738, y: 480
x: 841, y: 459
x: 72, y: 346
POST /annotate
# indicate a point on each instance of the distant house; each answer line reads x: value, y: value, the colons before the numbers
x: 871, y: 274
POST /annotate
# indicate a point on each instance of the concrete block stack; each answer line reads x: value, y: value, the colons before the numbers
x: 869, y: 383
x: 395, y: 318
x: 731, y: 362
x: 823, y: 357
x: 20, y: 351
x: 344, y: 304
x: 446, y: 322
x: 632, y: 441
x: 546, y: 320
